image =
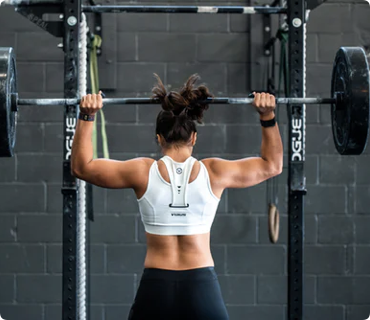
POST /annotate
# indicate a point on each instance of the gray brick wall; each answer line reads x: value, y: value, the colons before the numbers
x: 252, y: 272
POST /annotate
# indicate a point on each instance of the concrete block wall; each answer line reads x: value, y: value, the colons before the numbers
x: 252, y: 272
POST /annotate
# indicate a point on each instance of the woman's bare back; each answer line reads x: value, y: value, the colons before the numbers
x: 177, y: 252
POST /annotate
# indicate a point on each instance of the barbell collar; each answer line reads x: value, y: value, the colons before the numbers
x: 117, y: 101
x: 14, y: 99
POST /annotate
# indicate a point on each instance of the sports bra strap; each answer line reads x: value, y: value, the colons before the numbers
x: 179, y: 174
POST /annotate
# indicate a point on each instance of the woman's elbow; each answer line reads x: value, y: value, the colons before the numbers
x: 76, y: 171
x: 278, y: 166
x: 275, y: 170
x: 278, y: 170
x: 77, y: 168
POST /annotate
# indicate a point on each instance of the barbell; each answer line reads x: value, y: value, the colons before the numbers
x: 349, y: 101
x: 155, y: 8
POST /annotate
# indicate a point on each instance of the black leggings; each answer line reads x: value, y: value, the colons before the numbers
x: 179, y: 295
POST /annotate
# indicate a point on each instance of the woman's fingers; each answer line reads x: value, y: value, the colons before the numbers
x: 91, y: 103
x: 257, y: 99
x: 272, y: 100
x: 263, y: 100
x: 100, y: 100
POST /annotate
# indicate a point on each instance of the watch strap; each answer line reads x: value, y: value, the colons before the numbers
x: 268, y: 123
x: 86, y: 117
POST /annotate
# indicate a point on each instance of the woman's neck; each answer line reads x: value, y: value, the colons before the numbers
x: 178, y: 154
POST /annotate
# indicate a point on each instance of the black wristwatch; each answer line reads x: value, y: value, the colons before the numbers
x: 268, y: 123
x: 86, y: 117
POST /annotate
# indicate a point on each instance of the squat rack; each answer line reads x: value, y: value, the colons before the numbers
x: 69, y: 31
x: 296, y: 156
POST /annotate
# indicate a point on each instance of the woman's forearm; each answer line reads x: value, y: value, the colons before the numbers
x: 272, y: 146
x: 82, y: 148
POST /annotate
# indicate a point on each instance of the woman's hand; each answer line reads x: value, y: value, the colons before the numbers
x: 265, y: 104
x: 91, y: 103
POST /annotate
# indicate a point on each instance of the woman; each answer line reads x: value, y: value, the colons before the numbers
x: 178, y: 198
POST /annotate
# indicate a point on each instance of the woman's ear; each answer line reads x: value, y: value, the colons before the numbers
x: 158, y: 139
x: 194, y: 139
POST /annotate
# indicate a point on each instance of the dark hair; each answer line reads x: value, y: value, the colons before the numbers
x: 180, y: 110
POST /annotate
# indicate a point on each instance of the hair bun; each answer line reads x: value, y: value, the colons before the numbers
x: 194, y: 96
x: 160, y: 94
x: 186, y: 102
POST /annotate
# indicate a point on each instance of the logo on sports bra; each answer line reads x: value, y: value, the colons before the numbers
x: 178, y: 214
x: 179, y: 170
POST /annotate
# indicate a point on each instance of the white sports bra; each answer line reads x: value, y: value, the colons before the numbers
x: 179, y: 207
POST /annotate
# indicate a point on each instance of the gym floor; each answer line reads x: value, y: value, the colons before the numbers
x: 252, y: 272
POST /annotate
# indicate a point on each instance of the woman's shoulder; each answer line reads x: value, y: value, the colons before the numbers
x: 145, y: 161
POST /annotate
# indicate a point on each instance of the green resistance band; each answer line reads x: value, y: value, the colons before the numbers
x: 94, y: 75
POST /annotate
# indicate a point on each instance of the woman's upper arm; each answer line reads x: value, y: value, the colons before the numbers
x: 241, y: 173
x: 115, y: 174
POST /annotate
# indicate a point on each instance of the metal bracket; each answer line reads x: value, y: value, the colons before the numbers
x: 266, y: 31
x: 69, y: 181
x: 98, y: 29
x: 35, y: 13
x: 297, y: 178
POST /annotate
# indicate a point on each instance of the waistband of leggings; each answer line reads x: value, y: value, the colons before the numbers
x: 206, y: 273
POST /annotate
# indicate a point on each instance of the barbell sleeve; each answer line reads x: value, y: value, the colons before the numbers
x: 57, y: 102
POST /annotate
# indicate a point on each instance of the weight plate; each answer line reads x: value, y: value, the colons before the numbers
x: 350, y: 86
x: 8, y: 117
